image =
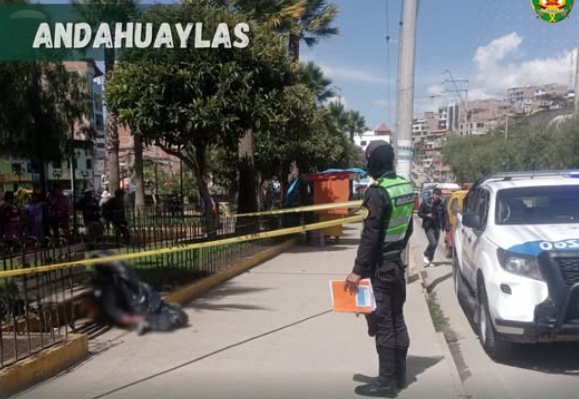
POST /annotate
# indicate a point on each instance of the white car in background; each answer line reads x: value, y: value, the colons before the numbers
x: 517, y: 258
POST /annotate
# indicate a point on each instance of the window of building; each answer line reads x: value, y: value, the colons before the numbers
x: 364, y: 142
x: 99, y: 124
x: 480, y: 125
x: 89, y: 164
x: 17, y: 168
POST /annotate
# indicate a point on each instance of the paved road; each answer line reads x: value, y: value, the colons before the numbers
x: 265, y: 334
x: 533, y: 372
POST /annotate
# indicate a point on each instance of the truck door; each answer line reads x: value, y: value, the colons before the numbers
x: 478, y: 204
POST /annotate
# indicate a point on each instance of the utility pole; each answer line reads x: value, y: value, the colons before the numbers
x: 405, y: 100
x: 577, y: 81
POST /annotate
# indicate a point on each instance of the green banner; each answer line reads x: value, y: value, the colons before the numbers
x: 68, y: 32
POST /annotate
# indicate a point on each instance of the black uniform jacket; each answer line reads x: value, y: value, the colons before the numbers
x: 373, y: 252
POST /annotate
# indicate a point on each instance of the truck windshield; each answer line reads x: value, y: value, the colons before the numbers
x: 538, y: 205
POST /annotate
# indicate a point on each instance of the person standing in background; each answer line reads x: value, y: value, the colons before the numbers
x: 433, y: 214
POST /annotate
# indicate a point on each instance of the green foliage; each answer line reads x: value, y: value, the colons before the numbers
x: 528, y: 147
x: 21, y: 197
x: 36, y: 118
x: 189, y: 100
x: 313, y: 77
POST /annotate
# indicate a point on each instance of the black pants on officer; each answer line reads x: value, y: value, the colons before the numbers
x: 387, y: 323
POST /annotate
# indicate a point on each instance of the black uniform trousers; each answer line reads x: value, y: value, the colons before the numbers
x: 389, y: 286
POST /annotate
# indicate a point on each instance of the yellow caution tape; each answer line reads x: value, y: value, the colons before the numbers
x: 182, y: 248
x: 307, y: 208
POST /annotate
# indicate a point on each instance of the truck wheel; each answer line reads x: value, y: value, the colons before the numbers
x: 494, y: 345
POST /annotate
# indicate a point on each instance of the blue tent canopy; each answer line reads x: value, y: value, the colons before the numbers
x: 357, y: 171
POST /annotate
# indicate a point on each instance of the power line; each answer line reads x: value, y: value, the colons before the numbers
x: 389, y: 102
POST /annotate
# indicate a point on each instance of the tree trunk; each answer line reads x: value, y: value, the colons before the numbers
x: 284, y: 184
x: 112, y: 133
x: 294, y: 47
x: 352, y: 136
x: 38, y: 122
x: 139, y: 174
x: 199, y: 170
x: 247, y: 199
x: 73, y: 179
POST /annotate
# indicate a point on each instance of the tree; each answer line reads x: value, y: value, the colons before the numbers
x: 41, y: 102
x: 186, y: 110
x: 355, y: 124
x: 337, y: 117
x: 139, y: 174
x: 315, y: 23
x: 305, y: 21
x: 272, y: 14
x: 313, y: 77
x: 529, y: 147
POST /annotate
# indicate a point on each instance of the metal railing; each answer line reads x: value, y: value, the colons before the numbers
x: 39, y: 310
x: 42, y: 293
x: 30, y: 318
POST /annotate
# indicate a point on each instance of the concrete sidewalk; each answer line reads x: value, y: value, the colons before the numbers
x: 267, y: 333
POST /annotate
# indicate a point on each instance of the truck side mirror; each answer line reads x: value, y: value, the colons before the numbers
x: 471, y: 220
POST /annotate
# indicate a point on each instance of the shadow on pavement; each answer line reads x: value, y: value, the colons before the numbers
x: 443, y: 263
x: 415, y: 365
x: 304, y: 249
x: 222, y: 306
x: 557, y: 358
x: 229, y: 289
x: 437, y: 281
x: 550, y: 358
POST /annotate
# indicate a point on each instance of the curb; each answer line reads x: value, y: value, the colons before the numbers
x: 195, y: 290
x: 47, y: 363
x: 412, y: 271
x: 452, y: 368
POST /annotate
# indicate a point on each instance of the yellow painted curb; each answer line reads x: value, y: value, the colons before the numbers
x: 196, y: 290
x: 413, y: 273
x: 43, y: 365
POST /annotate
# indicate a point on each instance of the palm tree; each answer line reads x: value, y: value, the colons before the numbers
x: 355, y: 124
x: 313, y: 77
x: 274, y: 14
x: 337, y: 116
x: 302, y: 20
x: 314, y: 24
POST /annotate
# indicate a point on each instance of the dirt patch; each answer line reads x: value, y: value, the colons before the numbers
x: 441, y: 324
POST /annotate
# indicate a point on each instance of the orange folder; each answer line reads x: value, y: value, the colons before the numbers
x: 346, y: 302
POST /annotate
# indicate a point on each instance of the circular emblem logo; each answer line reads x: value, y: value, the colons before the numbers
x: 552, y: 11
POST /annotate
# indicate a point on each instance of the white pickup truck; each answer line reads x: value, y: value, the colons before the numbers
x: 517, y: 258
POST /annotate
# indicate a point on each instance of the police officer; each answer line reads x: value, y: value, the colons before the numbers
x: 388, y: 208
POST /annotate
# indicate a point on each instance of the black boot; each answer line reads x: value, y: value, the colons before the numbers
x: 401, y: 368
x: 372, y: 327
x: 385, y: 385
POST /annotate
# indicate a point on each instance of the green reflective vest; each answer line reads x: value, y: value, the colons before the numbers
x: 401, y: 196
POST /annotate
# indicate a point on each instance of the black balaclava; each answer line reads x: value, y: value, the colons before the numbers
x: 380, y: 157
